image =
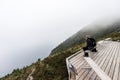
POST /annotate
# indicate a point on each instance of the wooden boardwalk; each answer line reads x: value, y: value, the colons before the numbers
x: 107, y: 58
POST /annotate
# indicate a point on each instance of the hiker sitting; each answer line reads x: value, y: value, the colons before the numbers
x: 90, y: 44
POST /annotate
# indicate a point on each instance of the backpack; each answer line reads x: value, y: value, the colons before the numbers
x: 91, y: 42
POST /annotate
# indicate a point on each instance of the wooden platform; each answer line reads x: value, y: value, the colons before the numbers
x: 107, y: 58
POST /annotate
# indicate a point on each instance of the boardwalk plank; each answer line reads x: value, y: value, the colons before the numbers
x: 101, y: 61
x: 116, y: 72
x: 95, y: 57
x: 97, y: 69
x: 96, y: 60
x: 108, y: 59
x: 111, y: 73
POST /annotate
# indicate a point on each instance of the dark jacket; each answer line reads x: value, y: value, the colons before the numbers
x: 91, y: 42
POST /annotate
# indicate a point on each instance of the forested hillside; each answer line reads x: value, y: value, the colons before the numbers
x: 96, y: 30
x: 53, y: 67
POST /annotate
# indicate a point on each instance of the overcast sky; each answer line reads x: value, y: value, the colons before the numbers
x: 29, y: 29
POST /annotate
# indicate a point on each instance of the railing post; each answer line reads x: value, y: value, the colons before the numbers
x: 68, y: 68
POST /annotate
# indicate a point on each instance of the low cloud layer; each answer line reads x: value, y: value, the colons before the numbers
x: 29, y: 29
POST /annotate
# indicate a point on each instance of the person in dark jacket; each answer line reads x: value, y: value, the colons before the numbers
x: 90, y: 44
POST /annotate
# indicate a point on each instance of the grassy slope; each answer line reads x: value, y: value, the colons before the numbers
x: 52, y: 67
x: 95, y: 30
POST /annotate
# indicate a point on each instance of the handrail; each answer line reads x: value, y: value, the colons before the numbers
x: 68, y: 58
x: 67, y: 61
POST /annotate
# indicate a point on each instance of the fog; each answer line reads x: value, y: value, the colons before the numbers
x: 30, y: 29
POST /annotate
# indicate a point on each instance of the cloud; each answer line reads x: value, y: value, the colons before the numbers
x: 34, y: 27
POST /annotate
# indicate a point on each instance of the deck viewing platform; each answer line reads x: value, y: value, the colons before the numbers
x: 102, y: 65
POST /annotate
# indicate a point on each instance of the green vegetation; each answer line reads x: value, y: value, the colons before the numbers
x: 96, y: 31
x: 51, y: 68
x: 18, y: 74
x: 54, y: 66
x: 114, y: 35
